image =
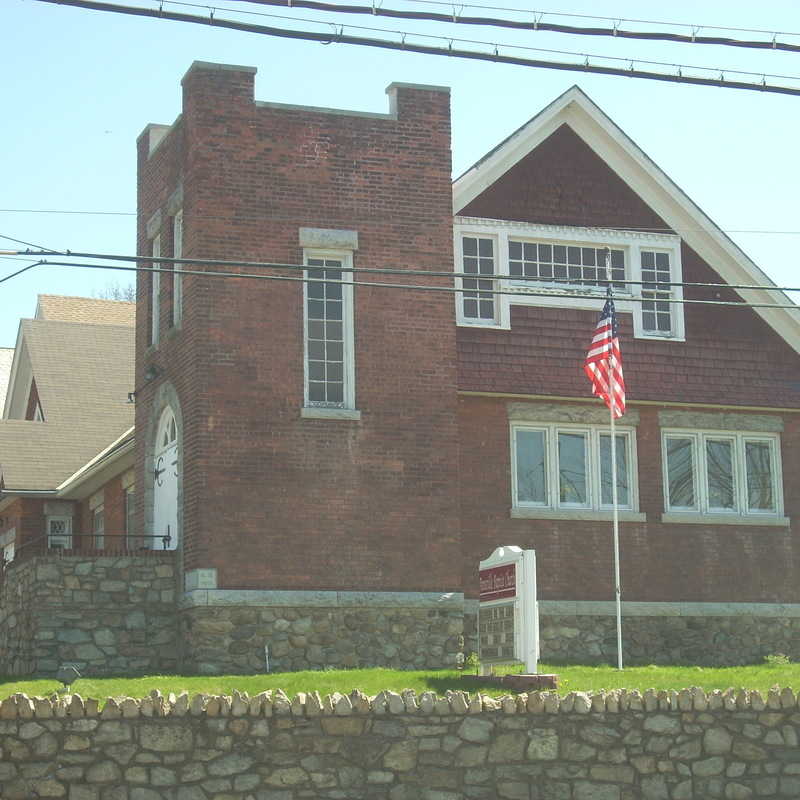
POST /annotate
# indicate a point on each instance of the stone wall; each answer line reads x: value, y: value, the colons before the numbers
x: 106, y: 614
x: 706, y: 634
x: 607, y: 746
x: 372, y: 629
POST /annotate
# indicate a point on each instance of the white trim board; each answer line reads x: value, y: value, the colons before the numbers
x: 575, y: 109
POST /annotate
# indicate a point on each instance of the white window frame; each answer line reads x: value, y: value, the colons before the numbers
x: 497, y: 320
x: 177, y: 277
x: 632, y: 243
x: 155, y: 290
x: 594, y: 506
x: 98, y: 531
x: 348, y: 332
x: 701, y: 508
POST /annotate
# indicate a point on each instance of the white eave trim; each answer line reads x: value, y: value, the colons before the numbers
x: 12, y: 375
x: 647, y: 180
x: 99, y: 463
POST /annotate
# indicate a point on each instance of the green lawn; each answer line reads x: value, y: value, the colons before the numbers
x: 372, y: 681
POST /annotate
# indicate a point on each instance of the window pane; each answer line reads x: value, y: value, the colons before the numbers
x: 478, y: 305
x: 680, y: 473
x: 572, y: 468
x: 760, y: 492
x: 606, y: 490
x: 719, y: 461
x: 531, y: 467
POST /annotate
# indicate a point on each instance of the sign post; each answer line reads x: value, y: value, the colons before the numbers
x: 508, y: 612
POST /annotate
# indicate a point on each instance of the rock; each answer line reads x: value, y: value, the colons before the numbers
x: 164, y: 737
x: 709, y: 766
x: 543, y: 745
x: 103, y: 772
x: 717, y: 741
x: 475, y: 730
x: 230, y: 764
x: 401, y: 756
x: 662, y: 723
x: 507, y: 747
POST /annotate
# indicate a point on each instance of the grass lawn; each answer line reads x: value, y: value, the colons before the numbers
x: 372, y: 681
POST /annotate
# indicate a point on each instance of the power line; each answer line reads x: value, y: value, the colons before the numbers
x: 218, y: 262
x: 279, y: 218
x: 341, y: 38
x: 414, y: 287
x: 504, y: 45
x: 616, y: 20
x: 535, y: 24
x: 376, y: 285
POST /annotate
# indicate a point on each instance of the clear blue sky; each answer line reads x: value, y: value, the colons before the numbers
x: 79, y: 86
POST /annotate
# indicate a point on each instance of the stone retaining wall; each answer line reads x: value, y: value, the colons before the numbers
x: 606, y: 746
x: 106, y: 614
x: 221, y: 639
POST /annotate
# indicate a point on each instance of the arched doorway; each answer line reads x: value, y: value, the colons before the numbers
x: 165, y: 482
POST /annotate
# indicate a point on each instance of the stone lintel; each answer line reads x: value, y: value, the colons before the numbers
x: 721, y: 421
x: 328, y: 238
x: 565, y: 412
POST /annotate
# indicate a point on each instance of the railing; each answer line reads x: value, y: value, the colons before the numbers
x: 87, y: 544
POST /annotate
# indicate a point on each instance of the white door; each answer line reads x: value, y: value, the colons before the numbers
x: 165, y: 483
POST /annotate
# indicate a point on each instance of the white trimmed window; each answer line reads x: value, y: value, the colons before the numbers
x: 98, y: 527
x: 722, y: 473
x: 59, y: 532
x: 130, y: 511
x: 155, y: 290
x: 568, y: 468
x: 328, y: 330
x: 177, y: 277
x: 533, y: 264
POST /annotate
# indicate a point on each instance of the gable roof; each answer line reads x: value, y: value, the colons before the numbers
x: 575, y: 109
x: 6, y: 357
x: 83, y: 372
x: 89, y: 310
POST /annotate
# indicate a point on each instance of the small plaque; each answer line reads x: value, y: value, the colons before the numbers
x: 496, y: 627
x: 498, y: 583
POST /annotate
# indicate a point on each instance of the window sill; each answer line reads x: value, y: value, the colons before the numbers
x: 725, y: 519
x: 312, y: 412
x: 577, y: 514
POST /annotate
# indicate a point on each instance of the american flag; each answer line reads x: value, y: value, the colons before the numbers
x: 603, y: 365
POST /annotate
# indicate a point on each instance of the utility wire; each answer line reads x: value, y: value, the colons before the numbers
x: 557, y: 292
x: 217, y: 262
x: 277, y: 218
x: 534, y: 24
x: 413, y: 287
x: 504, y: 45
x: 616, y: 20
x: 341, y: 38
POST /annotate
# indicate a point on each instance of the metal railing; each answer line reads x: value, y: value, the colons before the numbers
x: 86, y: 544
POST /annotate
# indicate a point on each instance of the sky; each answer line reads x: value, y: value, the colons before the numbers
x: 79, y: 86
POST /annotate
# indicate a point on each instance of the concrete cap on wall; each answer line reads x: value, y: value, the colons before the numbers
x: 210, y: 66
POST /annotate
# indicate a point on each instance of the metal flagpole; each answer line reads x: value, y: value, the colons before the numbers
x: 617, y: 588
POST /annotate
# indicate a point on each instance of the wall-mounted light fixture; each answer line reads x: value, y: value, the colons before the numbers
x: 151, y: 373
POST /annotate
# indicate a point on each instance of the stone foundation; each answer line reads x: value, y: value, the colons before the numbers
x: 105, y: 614
x: 315, y: 630
x: 706, y: 634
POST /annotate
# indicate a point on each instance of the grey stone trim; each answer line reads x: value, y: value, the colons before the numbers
x: 311, y: 412
x: 210, y: 66
x: 330, y: 599
x: 55, y: 508
x: 562, y: 412
x: 602, y: 608
x: 424, y: 87
x: 545, y: 513
x: 155, y: 134
x: 723, y: 421
x: 175, y: 202
x: 344, y: 112
x: 328, y: 238
x: 200, y: 579
x: 153, y: 226
x: 725, y: 519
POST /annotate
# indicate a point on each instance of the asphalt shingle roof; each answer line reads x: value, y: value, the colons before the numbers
x: 83, y: 374
x: 89, y: 310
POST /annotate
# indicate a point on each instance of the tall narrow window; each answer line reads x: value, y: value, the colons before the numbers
x: 478, y: 300
x: 177, y: 277
x: 59, y: 532
x: 656, y: 292
x: 155, y: 290
x: 129, y: 515
x: 98, y: 527
x: 329, y: 372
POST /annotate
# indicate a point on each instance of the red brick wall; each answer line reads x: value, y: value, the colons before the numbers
x: 659, y: 562
x: 26, y: 515
x: 377, y: 499
x: 114, y: 511
x: 730, y: 355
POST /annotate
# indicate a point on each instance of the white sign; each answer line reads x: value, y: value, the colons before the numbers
x: 508, y: 612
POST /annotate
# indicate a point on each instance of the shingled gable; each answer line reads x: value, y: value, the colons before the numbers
x: 666, y: 200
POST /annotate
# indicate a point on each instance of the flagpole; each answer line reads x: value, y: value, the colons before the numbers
x: 617, y: 589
